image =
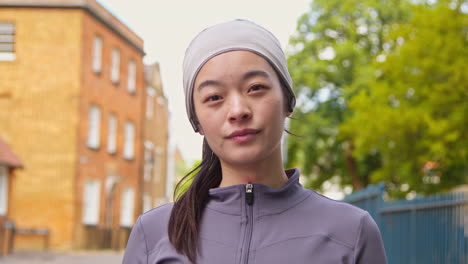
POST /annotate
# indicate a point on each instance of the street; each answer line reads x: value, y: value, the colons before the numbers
x: 84, y: 257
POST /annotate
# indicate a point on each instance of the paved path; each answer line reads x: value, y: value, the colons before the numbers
x: 93, y: 257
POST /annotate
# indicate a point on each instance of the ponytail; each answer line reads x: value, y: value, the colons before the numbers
x: 184, y: 223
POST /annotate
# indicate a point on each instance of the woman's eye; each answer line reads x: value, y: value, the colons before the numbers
x: 213, y: 98
x: 256, y: 87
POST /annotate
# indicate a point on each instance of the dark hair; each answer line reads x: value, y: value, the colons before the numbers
x: 184, y: 223
x: 183, y: 228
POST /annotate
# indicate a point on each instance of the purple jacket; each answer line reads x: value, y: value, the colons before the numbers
x: 257, y: 224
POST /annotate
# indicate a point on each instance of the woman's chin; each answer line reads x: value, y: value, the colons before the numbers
x: 242, y: 158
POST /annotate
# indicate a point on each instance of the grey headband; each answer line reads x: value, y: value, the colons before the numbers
x: 229, y: 36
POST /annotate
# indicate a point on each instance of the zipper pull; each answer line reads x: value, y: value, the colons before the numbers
x: 249, y: 193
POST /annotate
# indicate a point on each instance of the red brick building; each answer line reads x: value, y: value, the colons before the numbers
x: 73, y: 82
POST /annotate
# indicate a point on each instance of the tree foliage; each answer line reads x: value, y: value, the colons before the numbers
x: 381, y: 86
x: 184, y: 183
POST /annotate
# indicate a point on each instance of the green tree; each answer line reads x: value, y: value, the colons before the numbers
x: 185, y: 183
x: 335, y: 43
x: 412, y: 112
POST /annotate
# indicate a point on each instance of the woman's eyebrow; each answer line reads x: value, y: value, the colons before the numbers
x: 246, y: 76
x: 255, y: 73
x: 208, y: 83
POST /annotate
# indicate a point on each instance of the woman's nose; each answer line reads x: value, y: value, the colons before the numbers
x: 239, y: 109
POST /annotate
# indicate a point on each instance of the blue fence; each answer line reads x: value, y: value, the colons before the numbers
x: 427, y: 230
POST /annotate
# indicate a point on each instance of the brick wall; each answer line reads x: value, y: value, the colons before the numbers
x: 111, y: 98
x: 40, y: 121
x: 47, y: 91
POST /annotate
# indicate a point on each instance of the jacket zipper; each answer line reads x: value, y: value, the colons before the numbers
x: 249, y: 199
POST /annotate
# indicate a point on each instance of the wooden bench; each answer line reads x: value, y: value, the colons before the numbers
x: 35, y: 232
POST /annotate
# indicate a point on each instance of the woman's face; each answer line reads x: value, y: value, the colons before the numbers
x: 240, y: 107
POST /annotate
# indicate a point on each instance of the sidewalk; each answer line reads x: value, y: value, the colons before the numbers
x: 91, y: 257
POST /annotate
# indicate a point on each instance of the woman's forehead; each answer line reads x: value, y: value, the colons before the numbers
x: 239, y: 64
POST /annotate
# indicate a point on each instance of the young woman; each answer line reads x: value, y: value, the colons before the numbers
x: 242, y: 206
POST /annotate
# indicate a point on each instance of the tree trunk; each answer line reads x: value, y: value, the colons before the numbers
x: 352, y: 167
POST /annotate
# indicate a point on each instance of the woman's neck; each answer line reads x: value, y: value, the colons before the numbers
x: 269, y: 172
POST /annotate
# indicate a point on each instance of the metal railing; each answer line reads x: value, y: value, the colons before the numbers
x: 432, y: 229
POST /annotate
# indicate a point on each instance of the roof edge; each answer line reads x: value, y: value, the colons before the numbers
x: 92, y: 7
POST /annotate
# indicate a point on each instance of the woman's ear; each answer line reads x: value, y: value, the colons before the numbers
x: 199, y: 128
x: 200, y: 131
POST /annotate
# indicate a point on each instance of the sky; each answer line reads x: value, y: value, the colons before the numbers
x: 167, y: 27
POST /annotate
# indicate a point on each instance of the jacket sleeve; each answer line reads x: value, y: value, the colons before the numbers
x: 369, y: 247
x: 136, y: 251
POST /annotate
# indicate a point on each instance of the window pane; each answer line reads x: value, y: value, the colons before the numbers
x: 127, y: 207
x: 7, y: 41
x: 97, y: 54
x: 7, y: 28
x: 7, y: 38
x: 112, y: 137
x: 91, y: 202
x: 129, y: 140
x: 115, y: 65
x: 4, y: 47
x: 131, y: 76
x: 94, y: 120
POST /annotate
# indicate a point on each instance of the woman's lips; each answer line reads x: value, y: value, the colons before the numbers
x: 245, y: 136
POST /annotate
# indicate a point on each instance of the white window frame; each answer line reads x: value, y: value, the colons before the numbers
x: 94, y: 126
x: 3, y: 190
x: 127, y: 207
x: 7, y: 41
x: 115, y: 65
x: 150, y: 99
x: 147, y: 202
x: 131, y: 80
x: 129, y: 140
x: 91, y: 202
x: 148, y: 166
x: 97, y: 54
x: 112, y: 134
x: 147, y: 169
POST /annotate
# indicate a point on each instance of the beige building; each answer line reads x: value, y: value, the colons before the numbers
x: 73, y: 107
x: 156, y: 143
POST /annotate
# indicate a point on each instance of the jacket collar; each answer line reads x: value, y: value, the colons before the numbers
x: 231, y: 199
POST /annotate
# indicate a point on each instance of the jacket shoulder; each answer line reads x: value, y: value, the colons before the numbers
x: 149, y: 230
x: 339, y: 220
x: 154, y: 223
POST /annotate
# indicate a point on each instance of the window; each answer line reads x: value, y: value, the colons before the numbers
x: 147, y: 172
x: 94, y: 121
x: 129, y: 136
x: 115, y: 66
x: 126, y: 208
x: 150, y: 102
x: 97, y: 54
x: 3, y: 190
x: 146, y: 202
x: 7, y: 41
x: 91, y: 201
x: 157, y: 163
x: 131, y: 77
x: 149, y: 159
x: 112, y: 136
